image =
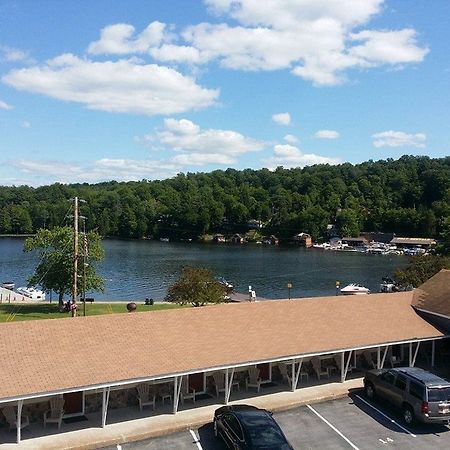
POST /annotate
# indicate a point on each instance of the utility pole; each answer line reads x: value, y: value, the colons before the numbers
x: 75, y: 257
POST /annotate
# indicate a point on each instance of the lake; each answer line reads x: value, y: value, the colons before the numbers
x: 135, y: 270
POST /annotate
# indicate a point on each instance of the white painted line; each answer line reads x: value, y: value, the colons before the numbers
x: 196, y: 440
x: 333, y: 427
x: 385, y: 416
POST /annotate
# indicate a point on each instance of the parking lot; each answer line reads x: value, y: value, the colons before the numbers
x: 352, y: 422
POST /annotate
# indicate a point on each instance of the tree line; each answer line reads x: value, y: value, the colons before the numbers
x: 408, y: 196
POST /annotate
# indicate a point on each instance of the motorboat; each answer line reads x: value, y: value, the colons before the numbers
x: 31, y: 292
x: 226, y: 284
x: 8, y: 285
x: 388, y: 285
x: 355, y: 289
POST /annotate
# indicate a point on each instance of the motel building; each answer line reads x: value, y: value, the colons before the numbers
x: 183, y: 357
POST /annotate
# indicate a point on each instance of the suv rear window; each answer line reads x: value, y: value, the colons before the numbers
x: 439, y: 394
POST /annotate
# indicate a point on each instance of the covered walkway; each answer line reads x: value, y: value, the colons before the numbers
x: 95, y: 363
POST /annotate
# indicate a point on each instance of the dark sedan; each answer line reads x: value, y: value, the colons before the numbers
x: 247, y: 427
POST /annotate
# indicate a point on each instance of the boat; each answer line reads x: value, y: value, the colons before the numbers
x: 226, y: 284
x: 8, y: 285
x: 388, y: 285
x: 355, y: 289
x: 31, y: 292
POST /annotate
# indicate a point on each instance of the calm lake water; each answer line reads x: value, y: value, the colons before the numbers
x: 144, y: 269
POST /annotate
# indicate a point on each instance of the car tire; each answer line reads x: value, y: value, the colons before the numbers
x: 370, y: 391
x: 408, y: 415
x: 216, y: 431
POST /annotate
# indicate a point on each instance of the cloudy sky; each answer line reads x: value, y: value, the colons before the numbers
x: 131, y: 89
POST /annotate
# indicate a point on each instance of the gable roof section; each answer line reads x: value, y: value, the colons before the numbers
x: 55, y: 355
x: 433, y: 296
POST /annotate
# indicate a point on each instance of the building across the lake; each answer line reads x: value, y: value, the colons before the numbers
x: 100, y: 362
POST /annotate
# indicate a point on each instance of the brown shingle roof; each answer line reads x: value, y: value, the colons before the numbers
x: 53, y: 355
x: 434, y: 295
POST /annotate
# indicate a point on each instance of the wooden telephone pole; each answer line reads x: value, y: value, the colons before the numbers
x: 75, y: 257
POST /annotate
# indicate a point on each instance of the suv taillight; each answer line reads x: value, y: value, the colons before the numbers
x: 424, y: 408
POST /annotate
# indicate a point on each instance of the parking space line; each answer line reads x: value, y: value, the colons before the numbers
x: 333, y: 427
x: 196, y: 440
x: 385, y: 416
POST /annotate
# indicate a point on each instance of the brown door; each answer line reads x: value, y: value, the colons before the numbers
x: 196, y: 382
x: 264, y: 371
x: 73, y: 403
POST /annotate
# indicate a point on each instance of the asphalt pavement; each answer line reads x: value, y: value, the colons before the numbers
x: 348, y: 423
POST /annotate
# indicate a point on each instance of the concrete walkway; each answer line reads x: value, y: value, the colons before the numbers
x: 125, y: 425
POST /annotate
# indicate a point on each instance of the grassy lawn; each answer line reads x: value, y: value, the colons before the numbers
x: 26, y: 311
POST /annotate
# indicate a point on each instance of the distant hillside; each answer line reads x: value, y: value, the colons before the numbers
x: 409, y: 196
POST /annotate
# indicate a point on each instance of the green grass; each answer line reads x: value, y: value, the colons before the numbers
x: 13, y: 312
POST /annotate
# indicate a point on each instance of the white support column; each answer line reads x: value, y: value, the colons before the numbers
x: 19, y: 420
x: 297, y: 375
x: 105, y: 402
x: 415, y: 355
x: 410, y: 354
x: 228, y: 384
x: 378, y: 358
x: 176, y: 392
x: 433, y: 352
x: 293, y: 374
x: 383, y: 359
x: 345, y: 364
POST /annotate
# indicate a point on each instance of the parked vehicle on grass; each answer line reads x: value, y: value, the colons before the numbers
x: 247, y: 427
x: 421, y: 395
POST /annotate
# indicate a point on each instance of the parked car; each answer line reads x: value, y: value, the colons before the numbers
x: 247, y: 427
x: 421, y: 395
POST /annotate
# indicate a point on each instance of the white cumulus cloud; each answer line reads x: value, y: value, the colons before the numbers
x: 126, y: 86
x: 291, y: 156
x: 197, y: 146
x: 398, y: 139
x: 326, y: 134
x: 4, y: 105
x: 317, y: 40
x: 120, y: 39
x: 282, y: 118
x: 291, y: 139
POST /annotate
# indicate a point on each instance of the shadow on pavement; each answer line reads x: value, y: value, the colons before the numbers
x: 395, y: 414
x: 207, y: 439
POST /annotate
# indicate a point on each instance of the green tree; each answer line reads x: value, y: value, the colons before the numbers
x: 55, y: 268
x: 196, y: 286
x: 420, y: 269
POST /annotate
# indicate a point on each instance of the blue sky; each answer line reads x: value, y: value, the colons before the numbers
x: 97, y: 90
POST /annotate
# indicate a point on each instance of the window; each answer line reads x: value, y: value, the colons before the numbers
x: 400, y: 382
x: 234, y: 426
x: 439, y: 394
x: 416, y: 390
x: 388, y: 377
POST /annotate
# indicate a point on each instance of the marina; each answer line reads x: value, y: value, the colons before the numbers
x: 135, y: 270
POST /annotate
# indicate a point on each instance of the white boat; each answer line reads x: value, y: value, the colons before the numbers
x: 8, y: 285
x: 31, y: 292
x: 355, y: 289
x: 388, y: 285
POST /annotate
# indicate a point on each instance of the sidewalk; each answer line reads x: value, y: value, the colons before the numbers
x: 126, y: 424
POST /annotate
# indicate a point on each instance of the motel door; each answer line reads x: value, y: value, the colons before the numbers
x: 197, y: 382
x: 73, y: 404
x: 264, y: 371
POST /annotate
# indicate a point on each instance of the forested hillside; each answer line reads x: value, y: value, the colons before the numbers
x: 409, y: 196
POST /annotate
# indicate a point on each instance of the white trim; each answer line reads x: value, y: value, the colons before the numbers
x: 432, y: 313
